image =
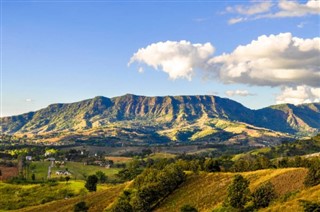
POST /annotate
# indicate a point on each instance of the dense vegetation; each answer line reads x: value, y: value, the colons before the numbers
x: 149, y: 188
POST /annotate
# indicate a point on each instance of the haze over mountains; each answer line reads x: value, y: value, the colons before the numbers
x: 176, y: 118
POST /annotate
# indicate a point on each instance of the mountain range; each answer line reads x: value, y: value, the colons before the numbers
x: 170, y: 118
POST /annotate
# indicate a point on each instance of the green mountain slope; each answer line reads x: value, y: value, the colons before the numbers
x: 180, y: 118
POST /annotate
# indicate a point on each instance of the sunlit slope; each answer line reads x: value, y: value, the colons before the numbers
x: 207, y: 191
x: 97, y: 201
x: 164, y: 119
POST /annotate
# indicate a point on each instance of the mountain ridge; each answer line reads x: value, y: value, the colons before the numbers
x: 163, y: 113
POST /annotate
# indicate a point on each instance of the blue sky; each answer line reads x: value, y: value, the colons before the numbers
x: 66, y: 51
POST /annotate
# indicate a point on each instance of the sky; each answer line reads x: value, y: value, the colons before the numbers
x: 258, y: 53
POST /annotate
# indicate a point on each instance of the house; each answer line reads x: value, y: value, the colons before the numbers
x: 29, y: 158
x: 62, y: 172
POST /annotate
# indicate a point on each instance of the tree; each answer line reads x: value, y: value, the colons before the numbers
x: 67, y: 179
x: 211, y: 165
x: 91, y: 183
x: 80, y: 207
x: 123, y: 203
x: 33, y: 177
x: 310, y: 206
x: 101, y: 176
x: 188, y: 208
x: 313, y: 175
x: 238, y: 192
x: 263, y: 195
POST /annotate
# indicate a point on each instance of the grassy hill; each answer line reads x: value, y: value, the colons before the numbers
x: 97, y: 201
x: 205, y: 191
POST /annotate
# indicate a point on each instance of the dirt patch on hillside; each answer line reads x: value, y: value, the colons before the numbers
x: 8, y: 172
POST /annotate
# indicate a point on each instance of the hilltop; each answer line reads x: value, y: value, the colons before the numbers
x: 170, y: 118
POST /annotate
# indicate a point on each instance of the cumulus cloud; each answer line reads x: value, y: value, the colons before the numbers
x: 294, y: 9
x: 298, y: 95
x: 274, y: 60
x: 178, y: 59
x: 285, y: 8
x: 239, y: 93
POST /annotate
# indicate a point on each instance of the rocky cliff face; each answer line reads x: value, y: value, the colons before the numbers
x: 169, y: 111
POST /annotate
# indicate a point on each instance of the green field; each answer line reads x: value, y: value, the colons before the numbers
x: 78, y: 170
x: 15, y: 196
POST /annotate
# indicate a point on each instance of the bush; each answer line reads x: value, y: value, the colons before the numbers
x: 123, y: 203
x: 101, y: 177
x: 238, y: 192
x: 188, y: 208
x: 80, y: 207
x: 263, y: 195
x: 313, y: 176
x: 149, y: 188
x: 310, y: 206
x: 91, y: 183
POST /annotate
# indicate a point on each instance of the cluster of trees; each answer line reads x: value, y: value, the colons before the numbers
x: 313, y: 175
x: 239, y: 194
x: 245, y: 163
x: 240, y: 197
x: 149, y: 188
x: 197, y: 163
x: 144, y: 153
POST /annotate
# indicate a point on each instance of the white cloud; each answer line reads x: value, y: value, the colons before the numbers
x: 274, y: 60
x: 239, y: 93
x: 252, y: 9
x: 29, y: 100
x: 294, y: 9
x: 298, y: 95
x: 140, y: 70
x: 301, y: 25
x: 285, y: 8
x: 236, y: 20
x: 177, y: 59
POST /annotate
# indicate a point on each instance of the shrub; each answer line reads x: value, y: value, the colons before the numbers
x: 263, y: 195
x: 188, y: 208
x: 91, y: 183
x: 80, y: 207
x: 101, y: 177
x: 310, y: 206
x: 313, y: 176
x: 123, y: 203
x: 238, y: 192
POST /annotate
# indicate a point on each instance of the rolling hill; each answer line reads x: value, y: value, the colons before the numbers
x: 206, y: 192
x: 170, y: 118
